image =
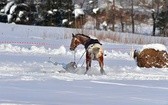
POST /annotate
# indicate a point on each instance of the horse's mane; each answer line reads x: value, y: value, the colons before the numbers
x: 84, y: 35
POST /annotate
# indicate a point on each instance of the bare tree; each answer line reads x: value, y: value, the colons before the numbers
x: 132, y: 16
x: 113, y: 15
x: 154, y: 22
x: 155, y: 13
x: 121, y: 17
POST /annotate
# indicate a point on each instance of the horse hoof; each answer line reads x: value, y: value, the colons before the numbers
x: 103, y: 73
x: 85, y: 73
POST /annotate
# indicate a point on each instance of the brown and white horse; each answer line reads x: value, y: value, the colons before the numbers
x: 93, y: 47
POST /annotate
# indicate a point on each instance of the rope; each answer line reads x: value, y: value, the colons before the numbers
x: 83, y: 63
x: 74, y: 55
x: 79, y: 58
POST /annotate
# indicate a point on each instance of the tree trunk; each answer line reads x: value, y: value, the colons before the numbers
x: 122, y: 23
x: 97, y: 24
x: 113, y: 21
x: 154, y: 23
x: 132, y: 17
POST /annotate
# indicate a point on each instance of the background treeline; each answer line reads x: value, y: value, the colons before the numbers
x: 113, y: 15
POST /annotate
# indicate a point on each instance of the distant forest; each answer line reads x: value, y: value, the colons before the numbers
x: 113, y: 15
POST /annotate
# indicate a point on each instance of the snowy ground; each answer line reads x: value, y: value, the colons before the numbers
x: 27, y: 78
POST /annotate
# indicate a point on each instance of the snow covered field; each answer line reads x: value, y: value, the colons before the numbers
x: 27, y: 78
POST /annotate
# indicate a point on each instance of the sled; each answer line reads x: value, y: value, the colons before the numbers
x: 69, y: 67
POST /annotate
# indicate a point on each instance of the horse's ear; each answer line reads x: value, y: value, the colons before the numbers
x: 73, y: 35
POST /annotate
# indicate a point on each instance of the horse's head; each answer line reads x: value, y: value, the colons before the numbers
x: 78, y: 39
x: 74, y: 42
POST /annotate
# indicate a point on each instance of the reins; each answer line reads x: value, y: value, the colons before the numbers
x: 74, y: 55
x: 79, y: 58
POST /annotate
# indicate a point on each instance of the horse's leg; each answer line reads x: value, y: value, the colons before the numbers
x: 88, y: 62
x: 87, y: 66
x: 101, y: 64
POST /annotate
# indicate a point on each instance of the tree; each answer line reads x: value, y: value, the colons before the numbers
x: 162, y: 22
x: 154, y: 16
x: 121, y: 16
x: 113, y: 15
x: 56, y: 11
x: 2, y: 3
x: 19, y: 1
x: 132, y: 16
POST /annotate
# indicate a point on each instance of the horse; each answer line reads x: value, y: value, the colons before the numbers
x: 93, y: 47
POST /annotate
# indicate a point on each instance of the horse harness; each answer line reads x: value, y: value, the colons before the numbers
x: 91, y: 41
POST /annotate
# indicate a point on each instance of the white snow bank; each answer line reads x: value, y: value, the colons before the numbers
x: 159, y: 47
x: 32, y: 50
x: 61, y: 50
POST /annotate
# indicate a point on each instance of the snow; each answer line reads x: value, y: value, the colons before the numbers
x: 95, y: 10
x: 50, y: 12
x: 159, y: 47
x: 55, y: 10
x: 18, y: 19
x: 12, y: 9
x: 89, y: 25
x: 78, y: 11
x: 103, y: 25
x: 21, y: 13
x: 90, y: 2
x: 9, y: 17
x: 64, y: 21
x: 153, y: 10
x: 8, y: 6
x: 28, y: 78
x: 2, y: 10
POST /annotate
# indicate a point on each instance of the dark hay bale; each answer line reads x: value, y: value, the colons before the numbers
x: 151, y: 58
